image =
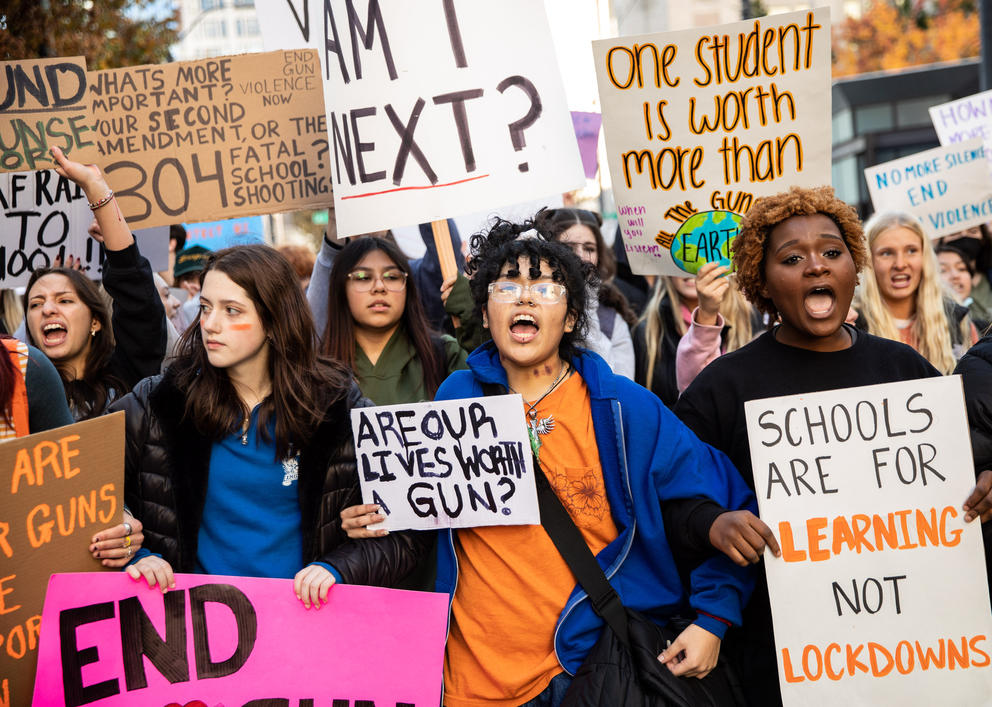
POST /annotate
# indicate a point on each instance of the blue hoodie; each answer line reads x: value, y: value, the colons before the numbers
x: 647, y: 456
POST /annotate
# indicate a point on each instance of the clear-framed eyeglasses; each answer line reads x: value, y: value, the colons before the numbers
x: 503, y: 291
x: 364, y: 280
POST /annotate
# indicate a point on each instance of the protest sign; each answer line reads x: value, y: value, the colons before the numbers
x: 701, y: 122
x: 216, y: 235
x: 427, y: 117
x: 57, y: 489
x: 587, y: 127
x: 948, y: 188
x: 109, y: 641
x: 880, y: 596
x: 43, y: 105
x: 965, y: 119
x: 215, y: 138
x: 448, y: 464
x: 45, y: 217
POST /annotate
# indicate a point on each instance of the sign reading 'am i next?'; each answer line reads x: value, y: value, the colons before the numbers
x: 448, y: 464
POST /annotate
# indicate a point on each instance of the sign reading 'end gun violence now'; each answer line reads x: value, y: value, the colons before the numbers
x: 109, y: 641
x: 43, y: 105
x: 880, y: 596
x: 701, y: 122
x: 449, y: 464
x: 216, y: 138
x: 429, y: 116
x: 57, y: 488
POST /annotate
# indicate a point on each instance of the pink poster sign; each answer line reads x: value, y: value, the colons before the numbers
x: 587, y: 127
x: 236, y: 642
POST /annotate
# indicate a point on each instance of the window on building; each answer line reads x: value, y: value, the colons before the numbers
x: 916, y: 112
x: 210, y: 4
x: 244, y: 3
x: 247, y: 27
x: 843, y: 126
x: 215, y: 28
x: 873, y: 118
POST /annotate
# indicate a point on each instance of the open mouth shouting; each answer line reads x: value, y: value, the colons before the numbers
x: 523, y: 328
x: 820, y: 302
x: 54, y: 334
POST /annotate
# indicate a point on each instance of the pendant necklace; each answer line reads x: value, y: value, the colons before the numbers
x: 244, y: 429
x: 535, y: 427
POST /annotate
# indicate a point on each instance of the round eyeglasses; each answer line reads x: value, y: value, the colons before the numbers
x: 363, y: 280
x: 505, y: 292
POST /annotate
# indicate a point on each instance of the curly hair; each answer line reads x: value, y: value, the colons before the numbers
x: 751, y: 244
x: 507, y: 242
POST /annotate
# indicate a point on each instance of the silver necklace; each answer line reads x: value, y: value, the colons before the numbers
x: 539, y: 427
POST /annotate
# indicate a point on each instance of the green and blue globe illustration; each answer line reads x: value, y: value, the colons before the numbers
x: 705, y: 237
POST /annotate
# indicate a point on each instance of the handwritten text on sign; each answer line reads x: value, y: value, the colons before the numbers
x: 452, y: 464
x: 965, y: 119
x: 700, y: 122
x: 880, y: 595
x: 215, y: 138
x: 107, y: 640
x: 43, y: 105
x: 948, y: 188
x: 427, y: 116
x: 57, y: 488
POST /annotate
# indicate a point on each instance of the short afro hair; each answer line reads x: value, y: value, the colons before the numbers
x: 507, y: 242
x: 751, y: 244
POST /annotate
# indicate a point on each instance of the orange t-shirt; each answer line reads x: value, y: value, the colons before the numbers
x: 513, y: 583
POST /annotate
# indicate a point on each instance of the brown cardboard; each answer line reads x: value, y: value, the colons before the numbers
x: 43, y: 103
x: 45, y: 529
x: 213, y: 139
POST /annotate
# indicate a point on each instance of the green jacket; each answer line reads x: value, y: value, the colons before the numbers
x: 398, y: 376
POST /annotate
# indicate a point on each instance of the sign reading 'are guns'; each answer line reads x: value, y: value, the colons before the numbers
x: 109, y: 641
x: 880, y: 595
x: 701, y: 122
x: 450, y: 464
x: 434, y: 108
x: 213, y: 139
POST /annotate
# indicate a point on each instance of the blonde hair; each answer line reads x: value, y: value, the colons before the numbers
x: 931, y: 328
x: 654, y: 324
x: 13, y: 310
x: 738, y: 313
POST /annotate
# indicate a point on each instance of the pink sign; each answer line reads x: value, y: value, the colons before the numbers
x: 238, y: 642
x: 587, y: 134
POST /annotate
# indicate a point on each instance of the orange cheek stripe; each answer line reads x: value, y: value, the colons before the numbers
x: 241, y: 327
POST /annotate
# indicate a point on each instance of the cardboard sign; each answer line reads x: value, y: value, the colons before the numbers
x: 948, y: 188
x: 450, y: 464
x: 57, y: 488
x: 45, y: 217
x: 215, y: 138
x: 965, y: 119
x: 109, y: 641
x: 880, y: 596
x: 701, y: 122
x: 427, y: 116
x: 216, y: 235
x: 43, y: 105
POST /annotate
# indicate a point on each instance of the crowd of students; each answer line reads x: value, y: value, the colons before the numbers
x: 239, y: 454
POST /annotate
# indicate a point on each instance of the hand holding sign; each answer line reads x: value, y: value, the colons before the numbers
x: 979, y: 502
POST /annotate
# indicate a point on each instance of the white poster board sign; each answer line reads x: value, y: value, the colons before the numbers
x: 449, y: 464
x: 880, y: 596
x: 434, y: 109
x: 701, y: 122
x: 964, y: 119
x: 948, y: 188
x: 46, y: 216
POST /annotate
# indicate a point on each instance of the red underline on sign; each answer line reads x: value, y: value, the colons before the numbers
x: 427, y: 186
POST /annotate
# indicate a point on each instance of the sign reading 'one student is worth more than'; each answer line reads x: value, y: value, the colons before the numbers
x: 699, y: 123
x: 880, y: 596
x: 447, y: 464
x: 435, y: 108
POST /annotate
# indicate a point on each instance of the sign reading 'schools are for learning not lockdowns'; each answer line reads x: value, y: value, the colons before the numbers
x: 699, y: 123
x: 435, y: 108
x: 448, y: 464
x: 948, y: 188
x: 880, y: 596
x: 108, y: 641
x: 214, y: 138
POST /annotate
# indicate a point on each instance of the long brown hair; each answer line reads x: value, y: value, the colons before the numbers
x: 303, y: 384
x: 88, y: 395
x: 339, y: 337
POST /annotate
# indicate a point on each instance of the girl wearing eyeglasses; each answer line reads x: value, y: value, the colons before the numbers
x: 377, y: 327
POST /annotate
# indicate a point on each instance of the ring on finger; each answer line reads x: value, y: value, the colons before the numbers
x: 127, y: 528
x: 130, y: 551
x: 127, y: 541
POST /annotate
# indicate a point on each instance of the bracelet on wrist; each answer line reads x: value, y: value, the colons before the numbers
x: 94, y: 205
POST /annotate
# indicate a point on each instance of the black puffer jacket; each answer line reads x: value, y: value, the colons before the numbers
x: 976, y: 367
x: 167, y: 463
